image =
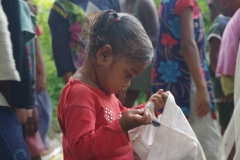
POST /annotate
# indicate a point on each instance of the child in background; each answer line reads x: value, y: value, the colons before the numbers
x: 43, y: 101
x: 142, y: 9
x: 225, y: 108
x: 228, y: 53
x: 28, y: 26
x: 226, y: 65
x: 231, y: 141
x: 214, y: 11
x: 180, y: 67
x: 93, y: 121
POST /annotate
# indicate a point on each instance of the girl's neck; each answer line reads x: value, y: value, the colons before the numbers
x: 87, y: 73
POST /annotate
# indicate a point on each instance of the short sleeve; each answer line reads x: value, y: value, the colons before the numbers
x: 27, y: 18
x: 60, y: 43
x: 182, y: 5
x: 215, y: 31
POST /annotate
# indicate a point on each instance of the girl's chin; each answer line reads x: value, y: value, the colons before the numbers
x: 119, y: 91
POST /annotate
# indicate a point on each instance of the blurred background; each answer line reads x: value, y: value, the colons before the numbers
x: 55, y: 84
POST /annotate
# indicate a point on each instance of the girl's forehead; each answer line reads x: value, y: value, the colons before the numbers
x: 136, y: 67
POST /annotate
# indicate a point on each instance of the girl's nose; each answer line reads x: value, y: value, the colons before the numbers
x: 127, y: 83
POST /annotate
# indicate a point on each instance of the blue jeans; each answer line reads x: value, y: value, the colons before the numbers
x: 12, y: 144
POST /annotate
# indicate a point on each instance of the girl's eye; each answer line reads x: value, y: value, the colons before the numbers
x: 128, y: 75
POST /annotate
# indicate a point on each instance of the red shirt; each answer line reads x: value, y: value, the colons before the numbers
x: 89, y: 120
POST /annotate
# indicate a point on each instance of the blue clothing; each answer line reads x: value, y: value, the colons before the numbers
x: 12, y: 144
x: 44, y: 108
x: 170, y: 71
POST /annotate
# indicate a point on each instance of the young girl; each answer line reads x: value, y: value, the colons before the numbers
x: 180, y: 66
x: 93, y: 121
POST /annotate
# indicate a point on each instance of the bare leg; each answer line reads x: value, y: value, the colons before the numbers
x: 232, y: 153
x: 131, y: 96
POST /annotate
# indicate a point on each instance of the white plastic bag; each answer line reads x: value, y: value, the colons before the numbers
x: 173, y: 140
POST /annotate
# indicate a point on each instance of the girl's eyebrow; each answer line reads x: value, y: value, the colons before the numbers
x: 134, y: 71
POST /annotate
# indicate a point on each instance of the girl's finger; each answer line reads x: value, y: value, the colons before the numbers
x: 157, y: 104
x: 160, y: 91
x: 164, y: 96
x: 148, y: 116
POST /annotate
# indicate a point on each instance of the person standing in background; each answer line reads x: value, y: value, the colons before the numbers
x: 13, y: 98
x: 28, y: 26
x: 142, y: 9
x: 226, y: 65
x: 230, y: 146
x: 224, y: 105
x: 43, y: 102
x: 214, y: 11
x: 66, y: 21
x: 180, y: 67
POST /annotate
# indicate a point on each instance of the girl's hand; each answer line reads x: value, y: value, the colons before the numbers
x: 159, y: 99
x: 133, y: 118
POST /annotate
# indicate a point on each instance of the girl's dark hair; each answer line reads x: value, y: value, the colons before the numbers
x: 123, y: 32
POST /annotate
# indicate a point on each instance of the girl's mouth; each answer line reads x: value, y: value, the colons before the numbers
x: 121, y: 90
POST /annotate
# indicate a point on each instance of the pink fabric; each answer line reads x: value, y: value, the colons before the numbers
x: 34, y: 144
x: 229, y: 47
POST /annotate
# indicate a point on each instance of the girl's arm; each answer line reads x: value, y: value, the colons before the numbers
x: 189, y: 51
x: 150, y: 17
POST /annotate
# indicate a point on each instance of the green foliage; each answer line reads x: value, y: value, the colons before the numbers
x: 54, y: 84
x: 157, y: 3
x: 206, y: 14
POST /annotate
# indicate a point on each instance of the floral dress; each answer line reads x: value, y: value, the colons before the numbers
x: 170, y: 71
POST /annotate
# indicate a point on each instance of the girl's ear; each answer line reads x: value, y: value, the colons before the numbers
x: 104, y: 55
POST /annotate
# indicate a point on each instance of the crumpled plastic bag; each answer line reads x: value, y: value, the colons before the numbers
x: 174, y: 139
